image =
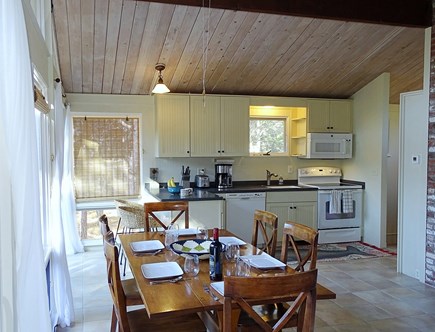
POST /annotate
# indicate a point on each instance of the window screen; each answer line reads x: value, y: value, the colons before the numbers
x: 267, y: 135
x: 106, y: 157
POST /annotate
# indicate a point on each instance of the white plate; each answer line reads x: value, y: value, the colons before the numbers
x: 146, y: 246
x: 227, y: 239
x: 218, y: 286
x: 187, y: 231
x: 162, y: 270
x: 263, y: 261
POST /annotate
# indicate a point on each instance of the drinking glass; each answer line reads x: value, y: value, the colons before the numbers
x: 202, y: 233
x: 243, y: 267
x: 171, y: 235
x: 232, y: 252
x: 191, y: 265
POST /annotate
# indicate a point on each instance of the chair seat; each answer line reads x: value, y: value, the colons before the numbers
x: 270, y: 313
x: 132, y: 295
x: 139, y: 322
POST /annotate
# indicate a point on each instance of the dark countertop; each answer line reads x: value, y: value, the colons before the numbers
x: 211, y: 193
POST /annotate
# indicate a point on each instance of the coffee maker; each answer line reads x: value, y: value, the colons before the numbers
x: 223, y: 174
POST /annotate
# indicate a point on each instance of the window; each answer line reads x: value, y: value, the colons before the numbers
x: 106, y: 157
x: 268, y: 135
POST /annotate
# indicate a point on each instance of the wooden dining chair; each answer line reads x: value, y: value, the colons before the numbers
x: 175, y: 207
x: 265, y: 228
x: 302, y: 241
x: 104, y: 225
x: 247, y: 290
x: 129, y: 286
x: 137, y: 320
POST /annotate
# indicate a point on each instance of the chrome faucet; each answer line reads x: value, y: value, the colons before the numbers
x: 268, y: 176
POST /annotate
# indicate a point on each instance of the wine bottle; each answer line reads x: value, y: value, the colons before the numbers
x: 216, y: 258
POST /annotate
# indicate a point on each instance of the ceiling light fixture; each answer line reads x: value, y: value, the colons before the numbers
x: 160, y: 86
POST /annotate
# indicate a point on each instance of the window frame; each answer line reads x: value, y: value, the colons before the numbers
x: 140, y: 148
x: 286, y: 135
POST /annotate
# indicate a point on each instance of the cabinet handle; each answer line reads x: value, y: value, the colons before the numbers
x: 223, y: 151
x: 188, y: 151
x: 219, y: 151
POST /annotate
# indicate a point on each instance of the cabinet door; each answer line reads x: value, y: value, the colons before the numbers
x: 234, y: 126
x: 205, y: 126
x: 282, y: 211
x: 172, y: 126
x: 304, y: 213
x: 318, y: 116
x: 340, y: 116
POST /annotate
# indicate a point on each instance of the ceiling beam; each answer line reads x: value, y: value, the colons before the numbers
x: 410, y: 13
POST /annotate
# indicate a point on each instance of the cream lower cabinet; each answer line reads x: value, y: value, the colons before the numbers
x: 172, y: 126
x: 207, y: 214
x: 297, y: 206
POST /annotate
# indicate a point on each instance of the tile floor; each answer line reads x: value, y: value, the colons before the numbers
x: 371, y: 296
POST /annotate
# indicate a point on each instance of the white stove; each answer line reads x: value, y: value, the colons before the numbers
x: 339, y: 204
x: 323, y: 178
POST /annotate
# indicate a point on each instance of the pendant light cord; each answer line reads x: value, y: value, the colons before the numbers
x: 205, y: 40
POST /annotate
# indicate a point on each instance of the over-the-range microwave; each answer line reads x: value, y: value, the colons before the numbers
x: 328, y: 146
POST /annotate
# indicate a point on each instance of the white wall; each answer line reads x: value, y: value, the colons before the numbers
x: 370, y: 118
x: 414, y: 110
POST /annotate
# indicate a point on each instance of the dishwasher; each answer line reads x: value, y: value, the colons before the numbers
x: 239, y: 210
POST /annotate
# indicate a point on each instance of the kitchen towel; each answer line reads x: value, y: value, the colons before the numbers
x: 335, y: 202
x: 347, y: 201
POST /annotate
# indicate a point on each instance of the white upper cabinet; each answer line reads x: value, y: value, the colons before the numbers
x: 329, y: 116
x: 234, y: 126
x: 172, y: 126
x: 202, y: 126
x: 205, y: 119
x: 219, y: 126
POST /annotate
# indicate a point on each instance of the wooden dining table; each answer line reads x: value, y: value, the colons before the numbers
x: 191, y: 294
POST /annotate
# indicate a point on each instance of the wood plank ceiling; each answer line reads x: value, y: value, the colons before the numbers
x: 112, y: 46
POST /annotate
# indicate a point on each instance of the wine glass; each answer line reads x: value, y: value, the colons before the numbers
x: 232, y: 251
x: 243, y: 267
x: 202, y: 233
x: 171, y: 235
x: 191, y: 265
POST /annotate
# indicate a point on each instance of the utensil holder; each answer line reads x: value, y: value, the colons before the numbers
x: 185, y: 181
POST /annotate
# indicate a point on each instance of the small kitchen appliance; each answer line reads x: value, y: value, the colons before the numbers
x: 224, y: 174
x: 339, y: 204
x: 202, y: 180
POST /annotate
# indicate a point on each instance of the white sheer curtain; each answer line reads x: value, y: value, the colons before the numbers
x: 72, y: 239
x: 19, y: 130
x: 63, y: 302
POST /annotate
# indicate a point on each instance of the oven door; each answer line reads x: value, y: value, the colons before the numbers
x: 327, y: 218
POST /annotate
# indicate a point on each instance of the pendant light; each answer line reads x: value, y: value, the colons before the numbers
x: 160, y: 86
